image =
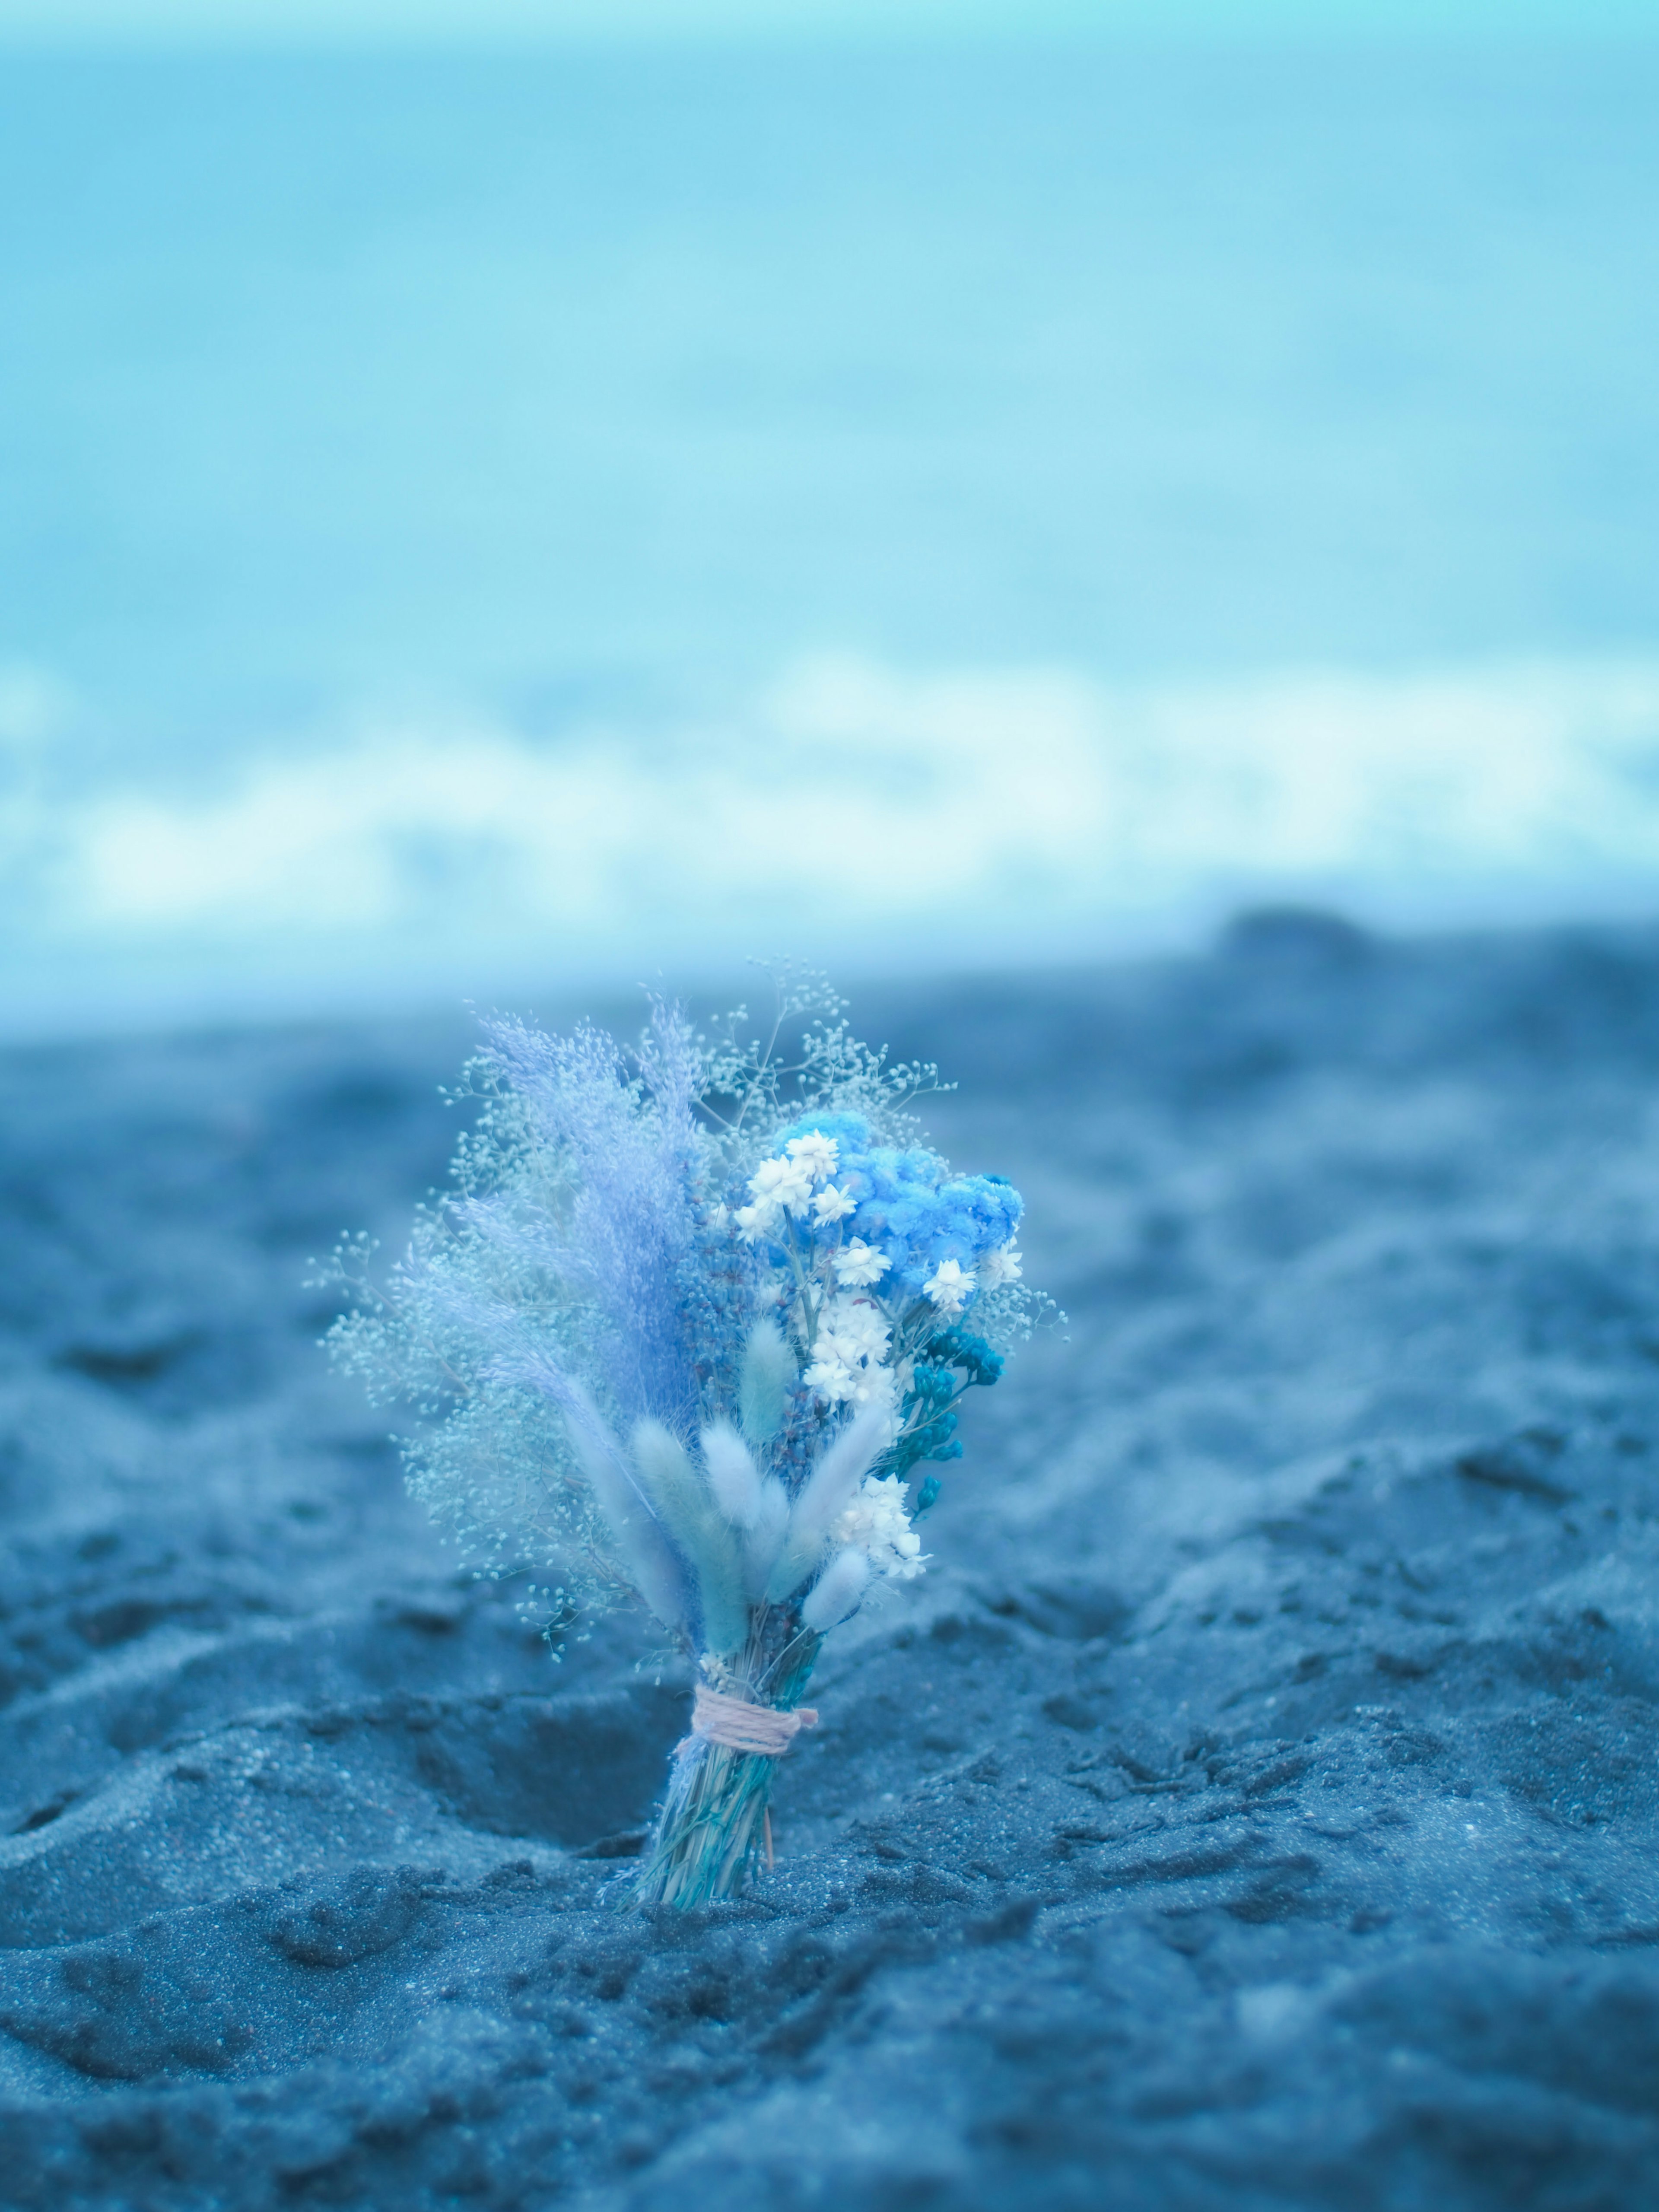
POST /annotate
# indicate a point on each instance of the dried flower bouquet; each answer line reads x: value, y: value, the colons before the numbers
x: 687, y: 1326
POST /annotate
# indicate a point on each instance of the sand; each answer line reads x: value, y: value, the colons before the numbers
x: 1255, y: 1805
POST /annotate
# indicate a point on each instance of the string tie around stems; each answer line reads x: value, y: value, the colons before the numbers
x: 739, y: 1726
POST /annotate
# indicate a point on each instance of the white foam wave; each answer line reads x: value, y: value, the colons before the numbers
x: 854, y: 810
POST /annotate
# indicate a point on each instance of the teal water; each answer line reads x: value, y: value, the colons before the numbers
x: 354, y: 404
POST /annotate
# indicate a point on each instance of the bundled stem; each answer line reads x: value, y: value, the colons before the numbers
x: 709, y: 1836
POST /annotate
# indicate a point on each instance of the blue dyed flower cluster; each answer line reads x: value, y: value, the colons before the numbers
x: 910, y: 1208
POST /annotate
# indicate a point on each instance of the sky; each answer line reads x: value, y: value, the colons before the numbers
x: 399, y: 22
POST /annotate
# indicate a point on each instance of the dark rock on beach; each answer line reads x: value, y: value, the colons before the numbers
x: 1257, y: 1804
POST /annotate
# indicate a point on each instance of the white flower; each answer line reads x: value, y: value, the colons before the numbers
x: 855, y: 1323
x: 758, y: 1220
x: 950, y: 1285
x: 831, y: 1375
x: 815, y: 1152
x: 846, y: 1354
x: 784, y: 1183
x: 860, y: 1264
x: 998, y: 1268
x: 832, y: 1204
x: 841, y: 1382
x: 873, y: 1386
x: 877, y: 1524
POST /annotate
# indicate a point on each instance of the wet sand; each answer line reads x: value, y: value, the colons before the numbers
x: 1255, y: 1805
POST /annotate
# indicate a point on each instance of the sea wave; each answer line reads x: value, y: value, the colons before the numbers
x: 862, y: 813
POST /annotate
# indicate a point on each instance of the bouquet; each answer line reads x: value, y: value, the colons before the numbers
x: 691, y: 1325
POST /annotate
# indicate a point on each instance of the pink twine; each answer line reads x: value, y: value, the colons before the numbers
x: 741, y: 1727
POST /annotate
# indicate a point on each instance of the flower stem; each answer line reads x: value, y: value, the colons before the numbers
x: 711, y: 1834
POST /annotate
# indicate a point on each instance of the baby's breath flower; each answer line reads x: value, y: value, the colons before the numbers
x: 857, y: 1265
x: 950, y: 1286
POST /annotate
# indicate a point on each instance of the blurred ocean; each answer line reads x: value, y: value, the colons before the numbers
x: 469, y: 525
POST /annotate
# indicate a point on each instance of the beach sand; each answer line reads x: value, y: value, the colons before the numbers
x: 1257, y: 1803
